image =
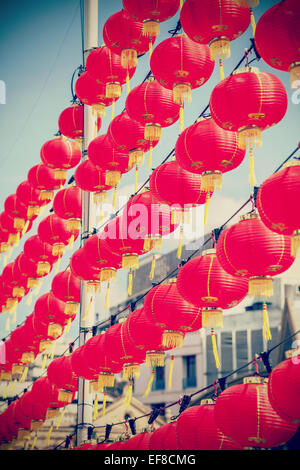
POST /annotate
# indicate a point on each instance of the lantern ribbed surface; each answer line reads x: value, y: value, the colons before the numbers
x: 283, y: 389
x: 159, y: 10
x: 70, y: 122
x: 92, y: 93
x: 244, y: 413
x: 67, y: 205
x: 137, y: 442
x: 60, y: 153
x: 89, y: 178
x: 43, y: 178
x: 276, y: 202
x: 197, y: 430
x: 61, y: 374
x: 81, y: 268
x: 181, y: 65
x: 54, y: 230
x: 66, y: 287
x: 281, y: 50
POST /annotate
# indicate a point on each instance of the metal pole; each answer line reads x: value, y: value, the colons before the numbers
x: 85, y: 399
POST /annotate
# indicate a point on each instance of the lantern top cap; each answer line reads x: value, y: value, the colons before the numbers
x: 207, y: 401
x: 210, y: 251
x: 251, y: 215
x: 295, y: 162
x: 246, y: 70
x: 255, y: 380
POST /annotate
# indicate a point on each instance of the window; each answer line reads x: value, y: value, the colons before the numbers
x: 159, y: 379
x: 189, y: 372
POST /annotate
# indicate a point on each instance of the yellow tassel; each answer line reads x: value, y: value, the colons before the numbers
x: 13, y: 386
x: 152, y: 268
x: 68, y: 325
x: 172, y: 339
x: 149, y: 383
x: 24, y: 375
x: 113, y: 110
x: 33, y: 442
x: 127, y: 399
x: 52, y: 350
x: 38, y: 287
x: 260, y: 286
x: 266, y: 325
x: 5, y: 393
x: 57, y: 265
x: 14, y: 312
x: 179, y: 250
x: 104, y: 404
x: 95, y: 415
x: 181, y: 119
x: 215, y: 349
x: 44, y: 361
x: 49, y: 434
x: 29, y: 298
x: 130, y: 282
x: 253, y: 24
x: 181, y: 4
x: 27, y: 444
x: 136, y: 178
x: 107, y: 296
x: 88, y: 309
x: 150, y: 48
x: 150, y: 156
x: 71, y: 242
x: 252, y: 179
x: 155, y: 359
x: 127, y: 83
x: 206, y: 207
x: 171, y: 372
x: 212, y: 317
x: 7, y: 325
x: 25, y: 227
x: 114, y: 198
x: 295, y: 243
x: 221, y: 69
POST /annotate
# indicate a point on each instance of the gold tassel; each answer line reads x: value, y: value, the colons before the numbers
x: 44, y: 361
x: 107, y: 297
x: 131, y: 371
x: 113, y: 90
x: 57, y: 264
x: 152, y: 132
x: 112, y: 177
x: 27, y: 443
x: 71, y: 308
x: 19, y: 223
x: 53, y: 346
x: 49, y: 434
x: 215, y: 349
x: 7, y: 325
x: 253, y: 24
x: 152, y: 268
x: 106, y: 379
x: 219, y: 48
x: 136, y: 178
x: 149, y: 383
x: 155, y: 359
x: 104, y: 404
x: 13, y: 385
x: 60, y: 417
x: 88, y: 309
x: 71, y: 242
x: 25, y: 227
x: 206, y: 207
x: 181, y: 119
x: 58, y: 249
x: 179, y: 249
x: 114, y: 198
x: 212, y: 317
x: 171, y: 372
x: 130, y: 282
x: 5, y: 393
x: 113, y: 110
x: 249, y: 138
x: 151, y: 28
x: 129, y: 58
x: 182, y: 93
x: 150, y: 156
x: 172, y: 339
x: 266, y: 325
x: 95, y: 415
x: 24, y: 375
x: 295, y: 243
x: 181, y: 4
x: 68, y: 325
x: 127, y: 82
x: 260, y: 286
x: 127, y: 399
x: 252, y: 179
x: 38, y: 287
x: 221, y: 69
x: 43, y: 267
x: 33, y: 442
x: 211, y: 180
x: 73, y: 224
x: 130, y: 261
x: 150, y: 49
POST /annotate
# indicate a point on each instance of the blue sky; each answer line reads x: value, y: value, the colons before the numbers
x: 40, y: 47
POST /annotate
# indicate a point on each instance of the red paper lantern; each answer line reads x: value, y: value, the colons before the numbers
x: 170, y: 441
x: 127, y: 135
x: 244, y: 413
x: 67, y: 204
x: 215, y: 23
x: 276, y: 202
x: 23, y: 341
x: 137, y: 442
x: 30, y: 197
x: 282, y: 50
x: 283, y: 389
x: 99, y: 255
x: 61, y: 374
x: 152, y: 13
x: 171, y: 312
x: 17, y: 210
x: 26, y: 271
x: 45, y: 393
x: 41, y: 253
x: 11, y: 283
x: 31, y: 412
x: 251, y: 251
x: 181, y: 65
x: 205, y: 148
x: 49, y: 314
x: 197, y: 430
x: 43, y: 178
x: 53, y: 230
x: 60, y: 154
x: 152, y: 106
x: 80, y: 367
x: 178, y: 188
x: 238, y: 104
x: 14, y: 233
x: 89, y: 178
x: 105, y: 67
x: 83, y: 270
x: 122, y: 351
x: 92, y: 93
x: 203, y: 282
x: 70, y: 123
x: 66, y: 287
x: 108, y: 159
x: 157, y: 438
x: 123, y: 35
x: 4, y: 237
